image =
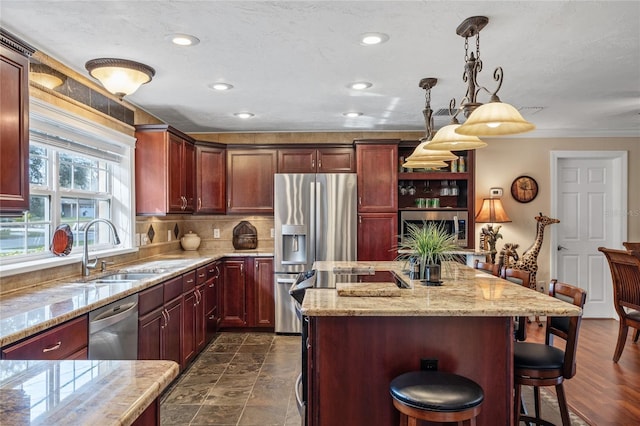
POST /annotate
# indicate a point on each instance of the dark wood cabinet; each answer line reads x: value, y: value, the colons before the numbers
x: 377, y: 168
x: 165, y: 160
x: 250, y: 180
x: 377, y: 236
x: 247, y: 293
x: 14, y: 125
x: 160, y: 316
x: 211, y: 297
x: 211, y: 178
x: 189, y: 319
x: 65, y: 341
x: 320, y: 160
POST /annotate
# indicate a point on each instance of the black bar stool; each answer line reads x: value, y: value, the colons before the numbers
x: 436, y: 396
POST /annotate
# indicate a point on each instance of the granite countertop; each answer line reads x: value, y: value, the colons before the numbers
x: 464, y: 292
x: 28, y: 311
x: 80, y: 392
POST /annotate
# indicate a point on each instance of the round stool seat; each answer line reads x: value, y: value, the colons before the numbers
x: 436, y: 391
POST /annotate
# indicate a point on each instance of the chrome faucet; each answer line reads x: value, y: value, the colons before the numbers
x: 91, y: 264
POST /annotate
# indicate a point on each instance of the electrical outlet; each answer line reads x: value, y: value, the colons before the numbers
x: 542, y: 286
x: 428, y: 364
x: 144, y: 239
x: 273, y: 233
x: 169, y: 235
x: 137, y: 240
x: 216, y: 233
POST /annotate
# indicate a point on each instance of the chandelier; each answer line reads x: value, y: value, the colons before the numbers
x: 494, y: 118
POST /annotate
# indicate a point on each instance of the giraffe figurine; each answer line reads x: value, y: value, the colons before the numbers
x: 529, y: 260
x: 508, y: 251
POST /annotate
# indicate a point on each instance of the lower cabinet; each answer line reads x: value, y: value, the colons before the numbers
x: 65, y: 341
x: 377, y: 236
x: 247, y: 294
x: 211, y: 296
x: 160, y: 321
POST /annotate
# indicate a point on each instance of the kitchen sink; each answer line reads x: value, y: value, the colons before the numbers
x: 128, y: 276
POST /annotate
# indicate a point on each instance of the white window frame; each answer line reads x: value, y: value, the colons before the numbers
x: 49, y: 119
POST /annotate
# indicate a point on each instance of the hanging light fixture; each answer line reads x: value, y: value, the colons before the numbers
x: 423, y: 156
x: 120, y: 76
x: 446, y: 138
x: 494, y: 118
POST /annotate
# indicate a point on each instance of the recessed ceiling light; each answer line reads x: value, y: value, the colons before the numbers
x: 371, y: 39
x: 221, y: 86
x: 360, y: 85
x: 352, y: 114
x: 183, y: 39
x: 243, y: 115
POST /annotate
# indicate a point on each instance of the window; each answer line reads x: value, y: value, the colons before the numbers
x: 78, y: 171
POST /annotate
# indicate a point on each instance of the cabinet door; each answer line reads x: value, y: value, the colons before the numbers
x: 176, y: 182
x: 377, y: 236
x: 233, y: 294
x: 14, y: 131
x: 150, y: 328
x: 189, y: 302
x: 200, y: 324
x: 211, y: 289
x: 262, y: 304
x: 250, y: 181
x: 335, y: 160
x: 56, y: 343
x: 188, y: 175
x: 172, y: 333
x: 210, y: 180
x: 301, y: 160
x: 377, y: 178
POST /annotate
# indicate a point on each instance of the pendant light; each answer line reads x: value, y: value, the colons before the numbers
x: 424, y: 164
x: 423, y: 153
x: 446, y: 138
x: 494, y: 118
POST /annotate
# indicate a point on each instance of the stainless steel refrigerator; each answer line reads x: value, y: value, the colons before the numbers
x: 315, y: 218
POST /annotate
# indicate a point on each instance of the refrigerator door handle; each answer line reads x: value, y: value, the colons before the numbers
x: 311, y: 244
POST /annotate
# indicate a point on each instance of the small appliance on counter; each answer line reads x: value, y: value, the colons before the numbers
x: 245, y: 236
x: 190, y: 241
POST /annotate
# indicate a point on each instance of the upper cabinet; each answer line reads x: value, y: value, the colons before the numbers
x: 165, y: 159
x: 250, y: 180
x: 211, y: 178
x: 14, y: 124
x: 377, y: 176
x: 321, y: 160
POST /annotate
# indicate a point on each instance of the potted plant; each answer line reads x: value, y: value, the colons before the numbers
x: 430, y: 245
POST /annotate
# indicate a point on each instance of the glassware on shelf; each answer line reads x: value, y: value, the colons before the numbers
x: 444, y: 188
x: 453, y: 188
x: 411, y: 190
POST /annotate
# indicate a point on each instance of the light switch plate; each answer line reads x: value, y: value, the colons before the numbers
x: 216, y: 233
x: 273, y: 233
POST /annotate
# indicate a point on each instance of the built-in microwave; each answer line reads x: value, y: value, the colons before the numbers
x: 454, y: 221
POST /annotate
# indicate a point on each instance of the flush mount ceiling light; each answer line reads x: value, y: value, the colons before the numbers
x: 46, y: 76
x: 494, y: 118
x: 371, y: 39
x: 120, y: 76
x: 183, y: 39
x: 352, y: 114
x: 243, y: 115
x: 360, y: 85
x: 221, y: 86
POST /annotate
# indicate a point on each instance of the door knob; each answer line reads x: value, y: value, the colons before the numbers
x: 562, y: 248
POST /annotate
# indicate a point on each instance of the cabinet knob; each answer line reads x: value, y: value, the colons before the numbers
x: 319, y: 164
x: 313, y: 164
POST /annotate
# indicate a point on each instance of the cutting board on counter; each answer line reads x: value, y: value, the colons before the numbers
x: 368, y: 289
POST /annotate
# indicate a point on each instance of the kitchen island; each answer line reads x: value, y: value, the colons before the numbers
x: 83, y: 392
x: 359, y: 344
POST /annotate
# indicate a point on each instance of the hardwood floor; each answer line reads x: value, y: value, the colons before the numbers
x: 602, y: 392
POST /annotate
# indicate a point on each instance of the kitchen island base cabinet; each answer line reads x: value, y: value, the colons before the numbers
x: 352, y: 360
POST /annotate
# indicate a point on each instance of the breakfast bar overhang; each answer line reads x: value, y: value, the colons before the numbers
x: 357, y: 345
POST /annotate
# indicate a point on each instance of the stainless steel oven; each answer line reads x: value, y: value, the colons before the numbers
x: 454, y: 221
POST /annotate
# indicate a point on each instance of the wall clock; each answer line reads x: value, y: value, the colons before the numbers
x: 524, y: 189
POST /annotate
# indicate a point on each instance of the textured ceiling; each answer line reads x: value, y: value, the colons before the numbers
x: 573, y: 67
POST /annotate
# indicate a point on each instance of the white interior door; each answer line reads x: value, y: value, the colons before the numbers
x: 590, y: 200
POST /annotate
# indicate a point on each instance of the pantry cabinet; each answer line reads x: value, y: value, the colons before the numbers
x: 247, y: 293
x: 165, y: 170
x: 211, y: 178
x: 320, y: 160
x: 14, y: 126
x: 250, y: 180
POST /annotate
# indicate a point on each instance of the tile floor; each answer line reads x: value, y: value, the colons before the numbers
x: 239, y: 379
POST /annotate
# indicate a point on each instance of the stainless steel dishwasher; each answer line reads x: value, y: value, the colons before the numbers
x: 113, y: 330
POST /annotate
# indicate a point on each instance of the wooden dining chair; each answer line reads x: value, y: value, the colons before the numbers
x: 625, y: 276
x: 491, y: 268
x: 631, y: 245
x: 520, y: 277
x: 538, y: 364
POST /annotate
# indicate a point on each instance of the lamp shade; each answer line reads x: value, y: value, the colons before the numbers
x: 447, y: 139
x: 495, y: 119
x: 424, y: 164
x: 423, y: 153
x: 120, y: 76
x: 492, y: 211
